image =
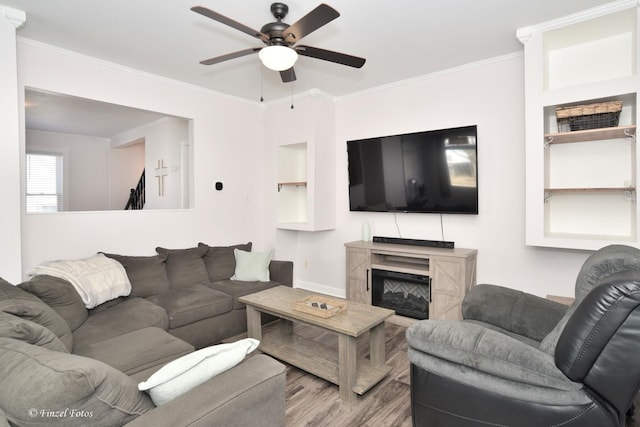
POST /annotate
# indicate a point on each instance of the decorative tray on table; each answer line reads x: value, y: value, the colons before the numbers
x: 321, y: 306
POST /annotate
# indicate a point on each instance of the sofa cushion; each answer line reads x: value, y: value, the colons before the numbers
x: 251, y: 266
x: 189, y: 371
x: 238, y: 289
x: 190, y: 304
x: 43, y: 387
x: 139, y: 350
x: 61, y: 296
x: 107, y: 305
x: 147, y: 274
x: 24, y: 330
x: 129, y: 315
x: 220, y: 260
x: 185, y: 267
x: 21, y: 303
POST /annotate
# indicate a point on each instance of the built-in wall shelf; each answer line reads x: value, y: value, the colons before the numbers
x: 581, y: 186
x: 292, y: 184
x: 293, y: 171
x: 304, y: 189
x: 591, y: 135
x: 591, y: 190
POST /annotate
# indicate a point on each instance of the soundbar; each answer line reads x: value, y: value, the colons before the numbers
x: 415, y: 242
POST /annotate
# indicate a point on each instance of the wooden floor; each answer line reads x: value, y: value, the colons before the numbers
x: 634, y: 421
x: 314, y: 402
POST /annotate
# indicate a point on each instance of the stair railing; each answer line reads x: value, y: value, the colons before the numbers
x: 136, y: 198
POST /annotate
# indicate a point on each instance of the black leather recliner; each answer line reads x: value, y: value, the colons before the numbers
x: 504, y: 371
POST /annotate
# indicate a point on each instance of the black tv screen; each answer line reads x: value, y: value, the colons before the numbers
x: 429, y: 172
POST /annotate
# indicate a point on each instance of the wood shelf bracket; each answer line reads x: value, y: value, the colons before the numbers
x: 631, y: 195
x: 630, y: 133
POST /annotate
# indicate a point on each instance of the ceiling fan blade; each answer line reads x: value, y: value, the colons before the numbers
x: 288, y: 75
x: 313, y: 20
x: 230, y: 22
x: 329, y: 55
x: 229, y: 56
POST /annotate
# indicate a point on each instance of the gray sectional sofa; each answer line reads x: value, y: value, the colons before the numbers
x: 64, y: 364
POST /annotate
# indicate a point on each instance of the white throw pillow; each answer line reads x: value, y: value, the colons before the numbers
x: 252, y: 266
x: 183, y: 374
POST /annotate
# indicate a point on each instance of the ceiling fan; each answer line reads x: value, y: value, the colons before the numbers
x: 281, y: 51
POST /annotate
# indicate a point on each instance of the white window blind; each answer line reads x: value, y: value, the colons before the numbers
x: 44, y: 182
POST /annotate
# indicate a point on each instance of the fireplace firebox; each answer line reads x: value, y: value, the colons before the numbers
x: 408, y: 294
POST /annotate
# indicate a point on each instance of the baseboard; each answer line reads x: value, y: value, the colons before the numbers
x: 322, y: 289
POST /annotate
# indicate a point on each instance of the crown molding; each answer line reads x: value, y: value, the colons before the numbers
x: 16, y: 17
x: 524, y: 34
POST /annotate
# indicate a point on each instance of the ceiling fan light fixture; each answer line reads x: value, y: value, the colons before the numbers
x: 278, y: 58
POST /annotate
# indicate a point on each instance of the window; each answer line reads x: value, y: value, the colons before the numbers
x: 44, y: 182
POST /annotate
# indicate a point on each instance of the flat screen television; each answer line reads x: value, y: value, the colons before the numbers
x: 434, y: 171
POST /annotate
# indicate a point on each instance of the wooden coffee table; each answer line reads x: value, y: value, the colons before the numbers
x: 353, y: 376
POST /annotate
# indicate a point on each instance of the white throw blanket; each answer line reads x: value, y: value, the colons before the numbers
x: 97, y: 279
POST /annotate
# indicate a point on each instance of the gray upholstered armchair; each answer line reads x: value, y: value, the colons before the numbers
x: 520, y: 360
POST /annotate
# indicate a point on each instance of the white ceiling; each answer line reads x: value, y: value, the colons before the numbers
x: 408, y: 40
x: 400, y: 39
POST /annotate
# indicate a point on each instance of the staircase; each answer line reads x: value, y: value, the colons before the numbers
x: 136, y: 198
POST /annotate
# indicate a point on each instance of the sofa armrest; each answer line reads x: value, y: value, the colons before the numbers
x: 281, y: 272
x: 514, y: 311
x: 249, y: 394
x: 487, y: 359
x: 3, y: 419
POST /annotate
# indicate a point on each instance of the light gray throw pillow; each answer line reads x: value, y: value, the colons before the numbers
x: 252, y: 266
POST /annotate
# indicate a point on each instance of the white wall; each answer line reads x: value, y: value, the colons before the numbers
x: 221, y: 141
x: 10, y: 249
x: 127, y: 164
x: 99, y: 175
x: 226, y: 149
x: 86, y: 166
x: 162, y: 143
x: 489, y: 94
x: 163, y: 140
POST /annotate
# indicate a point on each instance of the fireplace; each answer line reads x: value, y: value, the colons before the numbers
x: 408, y: 294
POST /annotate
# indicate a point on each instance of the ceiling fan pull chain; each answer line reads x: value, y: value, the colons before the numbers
x: 292, y: 96
x: 261, y: 81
